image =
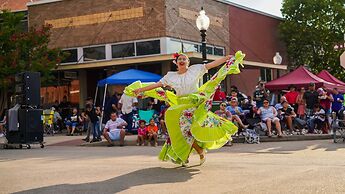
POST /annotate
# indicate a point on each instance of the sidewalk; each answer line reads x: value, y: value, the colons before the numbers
x: 130, y: 140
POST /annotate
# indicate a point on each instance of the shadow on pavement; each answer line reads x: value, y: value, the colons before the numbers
x: 287, y: 147
x: 156, y: 175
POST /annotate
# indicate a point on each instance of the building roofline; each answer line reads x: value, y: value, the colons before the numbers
x: 41, y: 2
x: 250, y: 9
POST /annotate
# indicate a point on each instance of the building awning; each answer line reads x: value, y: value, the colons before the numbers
x: 158, y: 58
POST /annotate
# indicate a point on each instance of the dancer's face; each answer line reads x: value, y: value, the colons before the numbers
x: 182, y: 62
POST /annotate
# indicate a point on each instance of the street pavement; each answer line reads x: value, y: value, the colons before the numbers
x: 273, y: 167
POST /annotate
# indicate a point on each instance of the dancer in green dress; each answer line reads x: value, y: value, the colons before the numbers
x: 189, y: 122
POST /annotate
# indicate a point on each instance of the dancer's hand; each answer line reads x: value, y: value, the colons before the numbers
x: 137, y: 91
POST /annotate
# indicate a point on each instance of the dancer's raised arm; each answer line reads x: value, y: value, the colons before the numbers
x: 217, y: 62
x: 149, y: 87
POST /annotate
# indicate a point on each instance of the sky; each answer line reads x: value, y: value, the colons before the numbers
x: 268, y: 6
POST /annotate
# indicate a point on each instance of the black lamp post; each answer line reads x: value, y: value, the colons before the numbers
x: 203, y: 22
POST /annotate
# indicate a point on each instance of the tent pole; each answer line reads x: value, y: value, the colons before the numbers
x: 101, y: 121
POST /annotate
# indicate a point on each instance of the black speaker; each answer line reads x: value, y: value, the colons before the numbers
x: 27, y: 89
x: 30, y: 127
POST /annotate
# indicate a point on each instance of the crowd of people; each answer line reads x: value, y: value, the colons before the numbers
x: 297, y: 112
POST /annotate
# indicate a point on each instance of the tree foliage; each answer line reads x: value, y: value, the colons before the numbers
x: 22, y: 50
x: 311, y: 29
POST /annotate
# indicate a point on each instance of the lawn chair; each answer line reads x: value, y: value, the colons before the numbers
x: 48, y: 121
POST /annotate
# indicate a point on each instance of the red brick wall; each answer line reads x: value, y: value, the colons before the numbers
x: 256, y: 35
x: 152, y: 24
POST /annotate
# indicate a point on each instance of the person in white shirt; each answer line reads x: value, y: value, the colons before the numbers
x: 127, y: 104
x: 114, y: 130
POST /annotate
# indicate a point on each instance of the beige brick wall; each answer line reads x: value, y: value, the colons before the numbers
x: 91, y: 24
x: 181, y: 16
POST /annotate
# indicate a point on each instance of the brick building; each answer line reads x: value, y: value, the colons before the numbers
x: 108, y: 36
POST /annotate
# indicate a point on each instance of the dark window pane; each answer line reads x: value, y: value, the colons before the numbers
x: 148, y: 47
x: 122, y: 50
x: 218, y: 51
x: 71, y: 56
x: 197, y: 48
x: 209, y: 50
x: 94, y: 53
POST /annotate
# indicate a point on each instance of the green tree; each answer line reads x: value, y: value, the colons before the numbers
x: 311, y: 29
x: 23, y: 51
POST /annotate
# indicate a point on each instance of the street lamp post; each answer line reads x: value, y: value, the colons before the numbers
x: 277, y: 60
x: 203, y: 22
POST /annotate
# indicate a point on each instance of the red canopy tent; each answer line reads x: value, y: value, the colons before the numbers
x: 301, y: 77
x: 325, y: 75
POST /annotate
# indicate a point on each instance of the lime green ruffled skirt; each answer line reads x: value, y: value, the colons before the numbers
x: 188, y: 118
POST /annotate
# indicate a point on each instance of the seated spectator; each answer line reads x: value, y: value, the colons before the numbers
x: 142, y: 131
x: 152, y: 130
x: 287, y: 115
x: 114, y: 130
x: 268, y: 115
x: 236, y: 112
x: 318, y: 118
x: 222, y: 112
x: 72, y: 121
x: 248, y: 107
x: 280, y: 104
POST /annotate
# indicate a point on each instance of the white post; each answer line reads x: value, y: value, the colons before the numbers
x: 101, y: 121
x: 95, y: 99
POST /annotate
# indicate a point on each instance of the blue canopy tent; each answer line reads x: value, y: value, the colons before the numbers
x: 125, y: 78
x: 129, y: 76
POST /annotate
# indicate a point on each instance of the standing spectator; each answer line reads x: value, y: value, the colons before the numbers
x: 65, y: 107
x: 219, y: 95
x: 291, y: 97
x: 326, y: 100
x: 57, y: 119
x: 337, y: 105
x: 162, y: 120
x: 3, y: 121
x: 91, y: 113
x: 142, y: 132
x: 301, y: 103
x: 152, y: 130
x: 86, y: 119
x: 260, y: 94
x: 311, y: 98
x: 127, y: 104
x: 268, y: 115
x: 114, y: 130
x: 111, y: 105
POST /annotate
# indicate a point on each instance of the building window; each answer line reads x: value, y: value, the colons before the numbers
x: 266, y: 74
x: 148, y: 47
x: 123, y: 50
x: 94, y: 53
x: 71, y: 56
x: 209, y: 50
x: 218, y: 51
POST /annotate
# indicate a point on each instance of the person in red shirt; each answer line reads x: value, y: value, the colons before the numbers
x: 291, y: 97
x: 219, y: 95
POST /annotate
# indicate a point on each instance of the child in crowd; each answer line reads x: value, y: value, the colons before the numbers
x: 142, y: 130
x: 152, y: 130
x: 318, y: 117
